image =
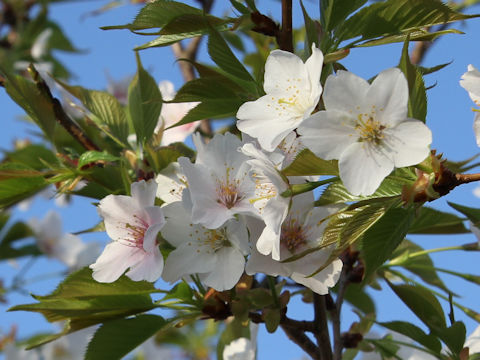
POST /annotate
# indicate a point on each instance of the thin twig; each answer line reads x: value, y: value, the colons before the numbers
x: 302, y: 341
x: 321, y: 326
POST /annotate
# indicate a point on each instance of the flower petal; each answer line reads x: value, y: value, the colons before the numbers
x: 471, y: 82
x: 281, y: 68
x: 363, y: 167
x: 227, y: 271
x: 114, y: 260
x: 408, y: 142
x: 389, y: 94
x: 321, y: 282
x: 149, y: 268
x: 476, y: 127
x: 345, y: 92
x: 144, y: 192
x: 185, y: 260
x: 328, y: 133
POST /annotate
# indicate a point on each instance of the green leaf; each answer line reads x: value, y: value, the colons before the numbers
x: 473, y: 214
x: 336, y: 11
x: 181, y: 291
x: 35, y: 103
x: 94, y: 156
x: 221, y: 54
x: 307, y: 164
x: 355, y: 294
x: 336, y: 193
x: 421, y: 266
x: 144, y: 103
x: 381, y: 239
x: 80, y: 285
x: 415, y: 35
x: 19, y: 182
x: 18, y: 231
x: 272, y: 319
x: 211, y: 109
x: 454, y: 336
x: 432, y: 221
x: 208, y: 88
x: 34, y: 156
x: 414, y: 333
x: 157, y: 15
x: 311, y: 31
x: 105, y: 107
x: 417, y: 100
x: 116, y: 338
x: 423, y: 304
x: 83, y: 302
x: 397, y: 16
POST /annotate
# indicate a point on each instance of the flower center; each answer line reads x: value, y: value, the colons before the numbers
x: 293, y: 235
x: 214, y: 238
x: 136, y: 232
x: 227, y: 191
x: 370, y: 130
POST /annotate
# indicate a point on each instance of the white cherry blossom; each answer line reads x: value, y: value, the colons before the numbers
x: 473, y: 341
x: 171, y: 183
x: 292, y: 90
x: 471, y: 82
x: 269, y: 204
x: 172, y: 113
x: 366, y: 127
x: 132, y: 222
x: 67, y: 248
x: 217, y: 255
x: 301, y: 230
x: 219, y: 182
x: 242, y: 348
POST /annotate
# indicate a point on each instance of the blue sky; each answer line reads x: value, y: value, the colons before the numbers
x: 449, y: 116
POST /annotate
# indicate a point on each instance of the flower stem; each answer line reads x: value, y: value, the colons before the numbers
x: 466, y: 247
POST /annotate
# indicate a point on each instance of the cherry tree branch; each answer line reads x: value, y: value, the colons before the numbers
x: 285, y: 35
x: 302, y: 340
x: 321, y: 326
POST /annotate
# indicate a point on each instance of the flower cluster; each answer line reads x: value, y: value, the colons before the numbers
x: 224, y: 213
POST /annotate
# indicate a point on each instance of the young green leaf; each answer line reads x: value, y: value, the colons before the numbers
x: 105, y: 107
x: 144, y: 103
x: 116, y: 338
x: 415, y: 333
x: 381, y: 239
x: 432, y: 221
x: 306, y: 164
x: 397, y: 16
x: 223, y: 56
x: 473, y: 214
x: 417, y: 100
x: 423, y: 304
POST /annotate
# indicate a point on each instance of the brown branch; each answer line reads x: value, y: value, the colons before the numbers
x: 285, y: 35
x: 60, y: 115
x: 321, y: 326
x: 467, y: 178
x: 302, y: 341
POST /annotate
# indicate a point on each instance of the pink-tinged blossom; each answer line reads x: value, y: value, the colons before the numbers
x: 302, y: 229
x: 216, y: 255
x: 219, y: 183
x: 132, y: 222
x: 171, y: 114
x: 366, y: 127
x: 471, y: 82
x: 292, y: 90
